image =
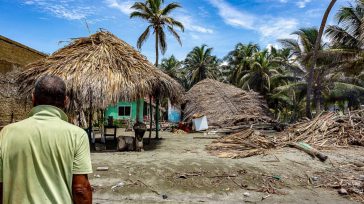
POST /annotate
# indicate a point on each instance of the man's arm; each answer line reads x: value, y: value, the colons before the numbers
x: 1, y: 193
x: 81, y: 189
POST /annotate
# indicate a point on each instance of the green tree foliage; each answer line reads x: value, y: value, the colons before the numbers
x: 200, y: 64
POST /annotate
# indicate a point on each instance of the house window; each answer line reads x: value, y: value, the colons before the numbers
x: 125, y: 111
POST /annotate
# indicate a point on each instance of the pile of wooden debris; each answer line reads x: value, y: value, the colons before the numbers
x: 243, y: 144
x: 225, y: 105
x: 329, y: 130
x: 325, y: 131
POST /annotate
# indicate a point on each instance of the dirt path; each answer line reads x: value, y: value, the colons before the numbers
x: 177, y: 169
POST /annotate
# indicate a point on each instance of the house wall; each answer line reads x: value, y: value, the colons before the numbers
x: 113, y: 110
x: 12, y: 52
x: 13, y: 59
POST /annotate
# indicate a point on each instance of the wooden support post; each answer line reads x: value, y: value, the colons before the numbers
x: 92, y: 146
x: 150, y: 117
x: 157, y: 118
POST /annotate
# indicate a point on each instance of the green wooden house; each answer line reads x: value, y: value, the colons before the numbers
x: 126, y: 110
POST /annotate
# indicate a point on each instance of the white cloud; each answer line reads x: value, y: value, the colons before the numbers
x: 190, y: 24
x: 233, y: 16
x: 123, y: 6
x: 66, y: 9
x: 303, y: 3
x: 278, y: 28
x: 267, y: 27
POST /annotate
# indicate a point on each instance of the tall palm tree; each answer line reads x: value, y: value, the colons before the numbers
x: 302, y: 50
x: 348, y: 36
x: 158, y: 19
x: 348, y: 33
x: 201, y: 64
x: 314, y: 60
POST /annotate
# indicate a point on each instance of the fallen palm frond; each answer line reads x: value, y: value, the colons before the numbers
x: 103, y: 69
x: 225, y: 105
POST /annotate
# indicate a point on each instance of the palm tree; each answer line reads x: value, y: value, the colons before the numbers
x: 348, y: 36
x: 171, y: 66
x: 348, y: 32
x: 238, y: 60
x: 301, y: 51
x: 314, y: 60
x: 174, y: 68
x: 159, y: 19
x: 201, y: 64
x: 258, y: 76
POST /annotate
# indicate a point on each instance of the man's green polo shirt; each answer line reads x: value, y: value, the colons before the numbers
x: 39, y: 156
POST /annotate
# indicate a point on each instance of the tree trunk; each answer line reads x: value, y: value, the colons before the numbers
x: 314, y: 59
x: 157, y: 97
x: 203, y: 73
x: 317, y: 100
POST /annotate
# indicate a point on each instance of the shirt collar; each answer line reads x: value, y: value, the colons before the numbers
x: 47, y: 110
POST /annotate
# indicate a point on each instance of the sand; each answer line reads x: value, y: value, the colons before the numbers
x: 177, y: 169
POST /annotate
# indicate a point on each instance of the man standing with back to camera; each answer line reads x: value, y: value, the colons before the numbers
x: 44, y: 159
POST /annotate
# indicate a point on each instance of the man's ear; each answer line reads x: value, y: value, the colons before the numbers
x: 33, y: 99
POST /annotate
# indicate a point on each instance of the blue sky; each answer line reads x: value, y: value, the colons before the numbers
x: 48, y: 25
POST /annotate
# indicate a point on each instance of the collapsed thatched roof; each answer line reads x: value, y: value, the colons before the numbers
x: 108, y: 66
x: 225, y: 105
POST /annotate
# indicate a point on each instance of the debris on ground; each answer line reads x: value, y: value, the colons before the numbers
x: 225, y: 105
x: 102, y: 168
x: 179, y: 132
x: 325, y: 131
x: 118, y: 185
x: 329, y: 130
x: 243, y: 144
x: 309, y: 150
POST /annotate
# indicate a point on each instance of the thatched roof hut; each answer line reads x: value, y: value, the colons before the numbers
x: 225, y: 105
x: 105, y: 66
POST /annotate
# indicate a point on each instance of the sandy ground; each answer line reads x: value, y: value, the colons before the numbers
x: 177, y: 169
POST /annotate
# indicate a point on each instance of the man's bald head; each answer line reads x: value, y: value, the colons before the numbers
x: 50, y: 90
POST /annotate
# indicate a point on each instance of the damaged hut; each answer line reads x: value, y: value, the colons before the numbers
x: 102, y: 70
x: 225, y: 105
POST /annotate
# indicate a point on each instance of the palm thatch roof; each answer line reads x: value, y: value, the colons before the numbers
x: 104, y: 69
x: 225, y: 105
